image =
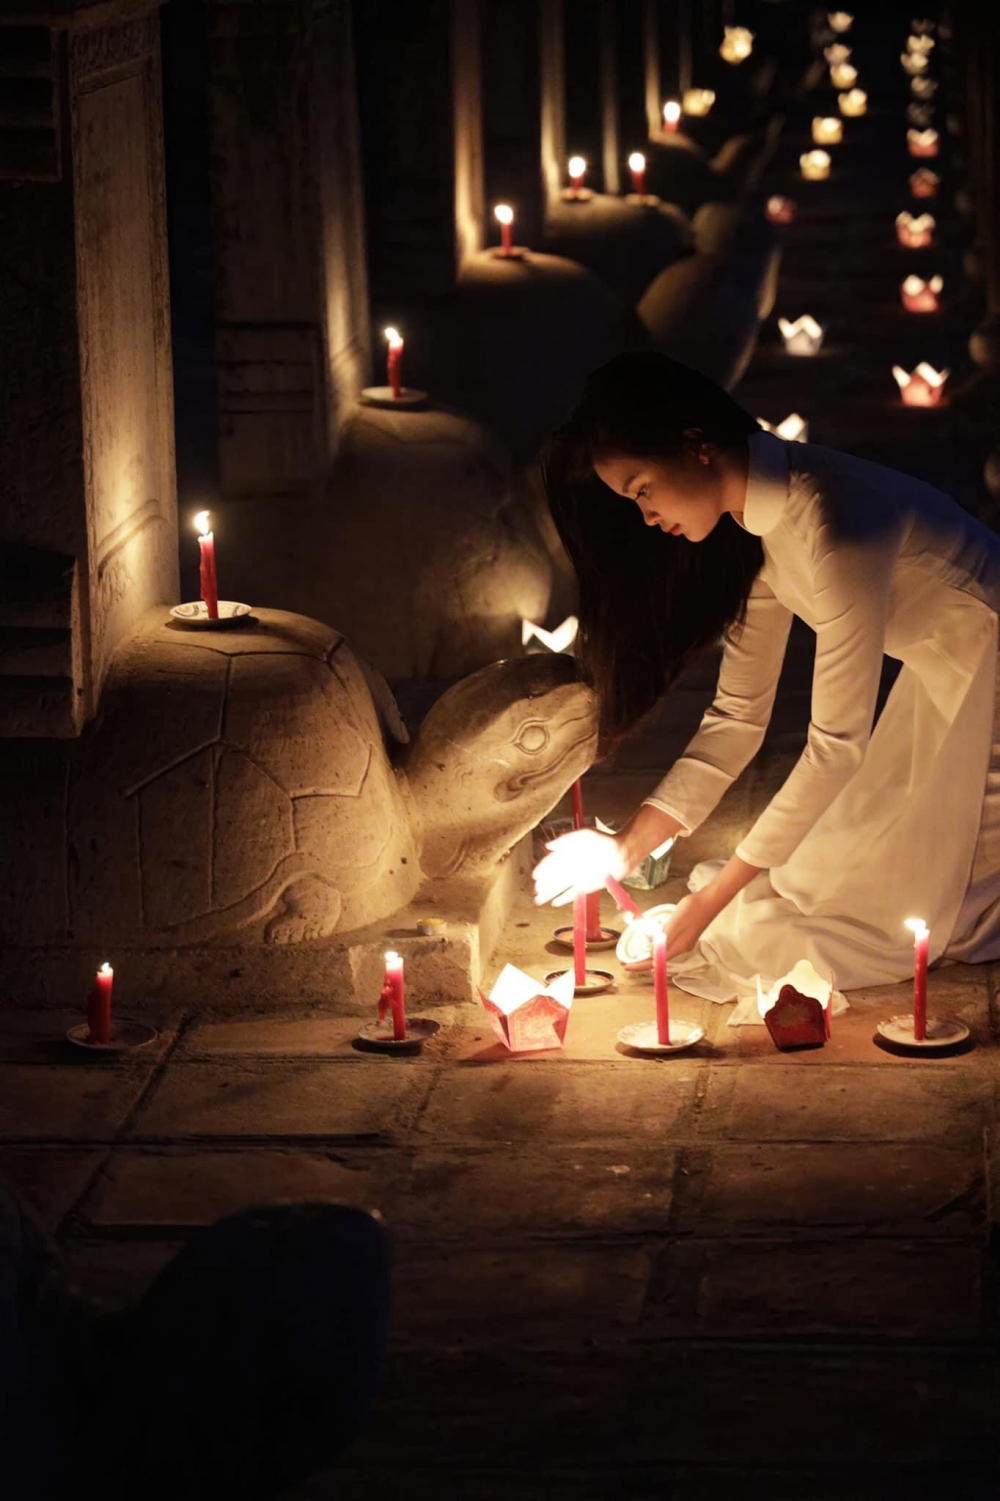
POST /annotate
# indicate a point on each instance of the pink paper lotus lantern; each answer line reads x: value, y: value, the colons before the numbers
x: 780, y: 210
x: 922, y: 142
x: 527, y: 1015
x: 921, y: 296
x: 792, y: 429
x: 924, y: 387
x: 798, y: 1008
x: 923, y: 88
x: 924, y: 183
x: 914, y: 63
x: 915, y: 232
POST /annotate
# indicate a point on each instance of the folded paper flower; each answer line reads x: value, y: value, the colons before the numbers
x: 923, y: 88
x: 915, y: 232
x: 923, y: 388
x: 836, y: 53
x: 780, y: 210
x: 797, y: 1008
x: 815, y: 165
x: 843, y: 75
x: 561, y: 639
x: 853, y: 103
x: 921, y: 296
x: 924, y: 183
x: 794, y: 429
x: 914, y: 63
x: 839, y: 20
x: 922, y: 142
x: 737, y: 44
x: 804, y: 336
x: 527, y: 1015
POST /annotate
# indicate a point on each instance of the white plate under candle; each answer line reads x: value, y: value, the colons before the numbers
x: 382, y: 396
x: 608, y: 939
x: 377, y: 1036
x: 124, y: 1034
x: 643, y: 1037
x: 942, y: 1032
x: 635, y: 944
x: 195, y: 615
x: 596, y: 983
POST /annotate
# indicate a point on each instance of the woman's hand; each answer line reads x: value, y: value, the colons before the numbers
x: 576, y: 864
x: 685, y: 926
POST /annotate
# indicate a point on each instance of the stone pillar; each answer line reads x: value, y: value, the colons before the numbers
x: 292, y: 328
x: 88, y: 525
x: 422, y: 145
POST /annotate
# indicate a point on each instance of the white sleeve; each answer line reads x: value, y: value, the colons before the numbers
x: 731, y: 731
x: 852, y: 580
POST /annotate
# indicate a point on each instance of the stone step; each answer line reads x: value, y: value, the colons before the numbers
x: 35, y: 652
x: 38, y: 706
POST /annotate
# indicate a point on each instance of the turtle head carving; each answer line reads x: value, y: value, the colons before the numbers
x: 493, y: 756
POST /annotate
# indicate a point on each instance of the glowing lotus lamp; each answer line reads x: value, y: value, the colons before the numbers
x: 803, y: 337
x: 504, y: 215
x: 853, y: 103
x: 698, y: 102
x: 919, y: 115
x: 920, y: 42
x: 637, y: 167
x: 837, y: 53
x: 737, y: 44
x: 924, y: 183
x: 923, y: 27
x: 815, y: 165
x: 923, y: 88
x: 843, y: 75
x: 915, y: 232
x: 780, y: 210
x: 923, y: 388
x: 827, y: 130
x: 914, y: 63
x: 921, y: 296
x: 794, y: 429
x: 561, y: 639
x: 671, y: 115
x: 924, y: 143
x: 839, y: 21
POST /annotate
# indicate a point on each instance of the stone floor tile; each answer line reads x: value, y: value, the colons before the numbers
x: 277, y: 1036
x: 285, y: 1099
x: 508, y: 1193
x: 839, y: 1405
x: 933, y: 1103
x: 525, y: 1296
x: 49, y: 1179
x: 539, y: 1483
x: 114, y: 1274
x: 39, y: 1036
x: 551, y: 1104
x: 896, y: 1189
x: 184, y: 1188
x: 956, y: 1481
x: 744, y: 1289
x: 75, y: 1102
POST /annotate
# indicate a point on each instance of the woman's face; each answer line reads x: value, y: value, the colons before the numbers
x: 684, y: 496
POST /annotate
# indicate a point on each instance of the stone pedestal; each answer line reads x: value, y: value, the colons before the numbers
x: 88, y: 512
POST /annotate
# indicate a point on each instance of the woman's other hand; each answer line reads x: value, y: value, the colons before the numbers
x: 576, y: 864
x: 684, y: 926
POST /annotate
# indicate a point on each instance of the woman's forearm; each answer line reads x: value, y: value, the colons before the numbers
x: 645, y: 831
x: 731, y: 879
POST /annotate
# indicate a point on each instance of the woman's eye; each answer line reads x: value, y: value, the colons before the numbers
x: 642, y: 492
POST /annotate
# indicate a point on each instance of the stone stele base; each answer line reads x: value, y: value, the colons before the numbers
x: 342, y: 974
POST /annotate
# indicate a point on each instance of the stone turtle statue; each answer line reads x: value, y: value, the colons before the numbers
x: 256, y: 785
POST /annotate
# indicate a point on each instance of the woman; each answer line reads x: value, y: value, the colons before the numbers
x: 686, y: 523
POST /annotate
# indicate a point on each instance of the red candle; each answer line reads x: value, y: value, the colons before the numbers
x: 637, y: 167
x: 579, y: 941
x: 99, y: 1005
x: 671, y: 115
x: 621, y: 897
x: 395, y: 985
x: 504, y: 215
x: 660, y: 986
x: 921, y: 941
x: 395, y: 361
x: 594, y: 897
x: 577, y: 168
x: 208, y: 582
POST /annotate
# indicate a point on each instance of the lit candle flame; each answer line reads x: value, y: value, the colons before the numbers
x: 577, y: 166
x: 637, y: 162
x: 671, y: 112
x: 917, y: 927
x: 394, y: 337
x: 503, y: 213
x: 203, y: 525
x: 105, y: 970
x: 391, y: 957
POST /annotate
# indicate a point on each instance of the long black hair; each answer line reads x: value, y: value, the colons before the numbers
x: 649, y: 602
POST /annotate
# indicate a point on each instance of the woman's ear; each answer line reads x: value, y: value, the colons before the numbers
x: 696, y: 445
